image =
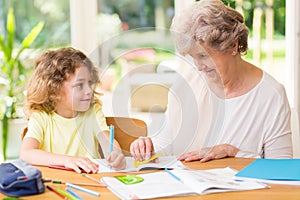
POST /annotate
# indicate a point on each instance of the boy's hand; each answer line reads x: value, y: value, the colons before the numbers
x: 116, y: 160
x: 81, y: 163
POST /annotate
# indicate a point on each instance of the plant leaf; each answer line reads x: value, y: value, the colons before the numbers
x: 4, y: 50
x: 21, y: 67
x: 4, y: 134
x: 10, y: 32
x: 32, y: 35
x: 22, y: 70
x: 3, y: 45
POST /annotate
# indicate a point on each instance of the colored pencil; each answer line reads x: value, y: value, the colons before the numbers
x: 91, y: 178
x: 67, y: 195
x: 74, y: 194
x: 100, y: 184
x: 56, y: 192
x: 111, y: 139
x: 173, y: 175
x: 91, y: 192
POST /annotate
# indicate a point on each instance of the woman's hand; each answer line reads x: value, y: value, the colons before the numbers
x: 81, y: 163
x: 116, y: 160
x: 210, y: 153
x: 142, y: 148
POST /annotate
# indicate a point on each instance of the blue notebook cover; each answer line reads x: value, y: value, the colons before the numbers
x: 272, y: 169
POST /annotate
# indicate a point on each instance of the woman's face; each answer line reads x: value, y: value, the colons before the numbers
x: 204, y: 61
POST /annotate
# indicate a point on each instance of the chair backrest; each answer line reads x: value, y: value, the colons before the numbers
x: 126, y: 131
x: 24, y: 133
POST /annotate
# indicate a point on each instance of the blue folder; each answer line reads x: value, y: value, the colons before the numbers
x: 272, y: 169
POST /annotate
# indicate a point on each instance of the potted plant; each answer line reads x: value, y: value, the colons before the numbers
x: 12, y: 75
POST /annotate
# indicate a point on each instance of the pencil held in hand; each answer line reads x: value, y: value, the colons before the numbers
x: 111, y: 138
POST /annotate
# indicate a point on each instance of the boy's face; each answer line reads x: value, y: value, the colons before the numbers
x: 76, y: 93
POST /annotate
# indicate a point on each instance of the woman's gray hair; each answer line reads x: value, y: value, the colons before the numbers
x: 212, y: 23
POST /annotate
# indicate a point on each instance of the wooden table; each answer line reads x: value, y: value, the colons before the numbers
x: 287, y: 192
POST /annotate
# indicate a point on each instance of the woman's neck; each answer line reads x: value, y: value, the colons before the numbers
x: 239, y: 77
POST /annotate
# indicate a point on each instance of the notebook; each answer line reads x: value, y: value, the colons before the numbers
x: 169, y: 162
x: 179, y: 183
x: 282, y: 171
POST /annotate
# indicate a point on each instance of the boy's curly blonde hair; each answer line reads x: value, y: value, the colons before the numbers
x: 52, y: 68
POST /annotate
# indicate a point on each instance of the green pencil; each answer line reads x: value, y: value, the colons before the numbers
x: 62, y: 192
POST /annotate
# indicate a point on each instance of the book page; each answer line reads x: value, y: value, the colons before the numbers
x: 164, y: 162
x: 157, y: 184
x: 215, y: 180
x: 179, y: 182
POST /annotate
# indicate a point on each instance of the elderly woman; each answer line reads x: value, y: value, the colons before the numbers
x: 251, y: 111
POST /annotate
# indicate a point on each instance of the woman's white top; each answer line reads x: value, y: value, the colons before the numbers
x: 258, y: 122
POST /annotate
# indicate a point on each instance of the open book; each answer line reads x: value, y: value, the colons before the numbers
x: 179, y: 183
x: 169, y: 162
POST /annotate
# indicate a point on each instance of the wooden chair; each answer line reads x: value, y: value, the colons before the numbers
x: 126, y: 131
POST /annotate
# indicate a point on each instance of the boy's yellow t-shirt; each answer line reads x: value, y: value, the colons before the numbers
x: 75, y: 137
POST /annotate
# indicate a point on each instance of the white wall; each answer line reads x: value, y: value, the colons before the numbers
x: 84, y: 27
x: 293, y: 52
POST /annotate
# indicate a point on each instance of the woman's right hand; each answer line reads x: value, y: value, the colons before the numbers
x: 142, y: 148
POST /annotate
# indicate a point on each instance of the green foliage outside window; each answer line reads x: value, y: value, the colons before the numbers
x: 13, y: 71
